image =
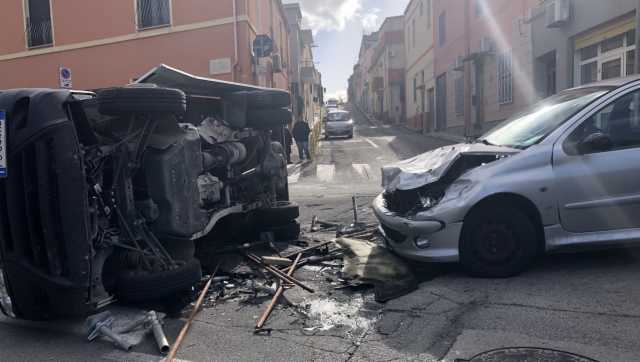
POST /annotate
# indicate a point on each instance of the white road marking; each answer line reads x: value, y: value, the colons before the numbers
x: 371, y: 143
x: 325, y: 172
x: 363, y: 169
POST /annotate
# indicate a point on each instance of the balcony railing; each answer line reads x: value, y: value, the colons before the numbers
x: 39, y: 33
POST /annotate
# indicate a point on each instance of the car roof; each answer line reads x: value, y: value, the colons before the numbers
x: 338, y: 111
x: 615, y: 82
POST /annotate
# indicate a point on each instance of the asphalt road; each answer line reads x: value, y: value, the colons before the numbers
x: 586, y: 303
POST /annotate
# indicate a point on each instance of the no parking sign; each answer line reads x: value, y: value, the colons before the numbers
x: 65, y: 78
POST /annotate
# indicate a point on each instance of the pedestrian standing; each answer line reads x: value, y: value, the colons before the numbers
x: 288, y: 141
x: 301, y: 132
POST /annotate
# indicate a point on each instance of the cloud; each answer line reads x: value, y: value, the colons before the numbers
x: 371, y: 20
x: 339, y: 94
x: 329, y: 15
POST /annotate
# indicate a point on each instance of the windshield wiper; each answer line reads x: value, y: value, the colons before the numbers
x: 485, y: 142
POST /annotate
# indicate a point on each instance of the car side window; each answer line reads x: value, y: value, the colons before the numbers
x: 615, y: 127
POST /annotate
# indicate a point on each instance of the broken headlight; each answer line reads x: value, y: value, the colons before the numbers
x: 428, y: 201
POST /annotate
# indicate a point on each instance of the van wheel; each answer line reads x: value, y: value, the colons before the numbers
x: 141, y: 99
x: 136, y: 286
x: 497, y: 242
x: 281, y: 213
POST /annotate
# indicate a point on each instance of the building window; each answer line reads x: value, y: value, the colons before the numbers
x: 153, y: 13
x: 428, y: 14
x: 38, y: 21
x: 459, y: 89
x: 421, y: 8
x: 505, y: 78
x: 478, y: 7
x: 415, y: 89
x: 442, y: 26
x: 611, y: 58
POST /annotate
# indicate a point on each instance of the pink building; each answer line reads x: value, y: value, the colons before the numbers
x: 483, y: 63
x: 95, y: 44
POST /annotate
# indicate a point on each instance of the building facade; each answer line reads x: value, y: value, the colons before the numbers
x: 388, y: 64
x: 96, y: 44
x: 419, y: 75
x: 578, y: 42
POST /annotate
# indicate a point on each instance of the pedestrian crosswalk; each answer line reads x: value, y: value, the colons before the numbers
x: 331, y: 173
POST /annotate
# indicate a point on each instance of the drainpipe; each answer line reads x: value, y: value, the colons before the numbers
x: 466, y: 74
x: 637, y: 60
x: 235, y: 41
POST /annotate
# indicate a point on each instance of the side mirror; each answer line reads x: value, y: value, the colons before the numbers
x: 595, y: 142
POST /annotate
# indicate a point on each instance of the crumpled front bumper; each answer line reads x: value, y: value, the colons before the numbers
x: 438, y: 240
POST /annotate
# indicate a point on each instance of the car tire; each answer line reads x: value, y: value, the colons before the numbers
x: 128, y: 100
x: 497, y: 242
x: 286, y: 232
x: 268, y: 118
x: 144, y: 286
x: 282, y: 213
x: 263, y: 99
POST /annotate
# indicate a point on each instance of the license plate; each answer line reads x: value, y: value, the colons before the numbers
x: 3, y: 144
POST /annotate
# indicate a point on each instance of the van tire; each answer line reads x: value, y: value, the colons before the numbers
x: 141, y: 99
x: 136, y: 286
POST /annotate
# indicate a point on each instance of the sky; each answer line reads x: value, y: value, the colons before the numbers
x: 338, y: 26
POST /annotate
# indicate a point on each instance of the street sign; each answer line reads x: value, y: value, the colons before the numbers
x: 262, y: 46
x: 65, y: 78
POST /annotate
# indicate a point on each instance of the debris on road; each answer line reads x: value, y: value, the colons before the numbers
x: 276, y: 260
x: 99, y: 325
x: 367, y: 262
x: 276, y: 296
x: 149, y: 320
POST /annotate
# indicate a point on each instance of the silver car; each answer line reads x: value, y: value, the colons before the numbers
x: 338, y: 123
x: 563, y: 174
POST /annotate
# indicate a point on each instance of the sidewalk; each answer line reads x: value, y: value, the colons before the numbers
x: 439, y: 135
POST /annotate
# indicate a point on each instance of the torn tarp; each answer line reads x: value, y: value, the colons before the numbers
x: 367, y: 262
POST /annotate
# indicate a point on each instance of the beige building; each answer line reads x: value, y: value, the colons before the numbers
x: 420, y: 83
x: 388, y: 71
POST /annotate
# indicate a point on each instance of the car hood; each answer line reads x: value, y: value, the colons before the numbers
x: 431, y: 166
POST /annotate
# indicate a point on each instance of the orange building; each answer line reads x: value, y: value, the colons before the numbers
x: 95, y: 44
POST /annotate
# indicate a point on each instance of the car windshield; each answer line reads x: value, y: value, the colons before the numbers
x: 338, y: 117
x: 533, y: 125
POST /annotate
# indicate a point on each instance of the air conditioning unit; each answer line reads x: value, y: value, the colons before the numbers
x: 459, y: 64
x: 276, y: 63
x: 487, y: 45
x: 558, y: 13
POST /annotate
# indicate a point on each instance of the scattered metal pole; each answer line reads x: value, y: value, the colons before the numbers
x: 185, y: 328
x: 158, y: 333
x: 355, y: 210
x: 277, y: 273
x: 274, y: 300
x: 100, y: 325
x: 305, y: 250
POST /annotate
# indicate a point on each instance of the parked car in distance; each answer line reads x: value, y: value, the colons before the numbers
x: 562, y: 175
x: 338, y: 123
